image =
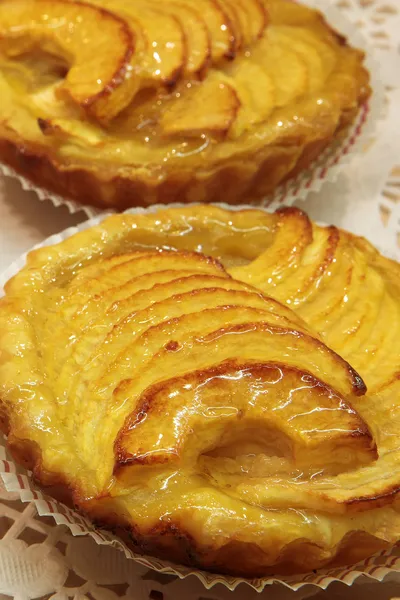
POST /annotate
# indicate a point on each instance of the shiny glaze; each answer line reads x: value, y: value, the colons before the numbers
x: 158, y: 364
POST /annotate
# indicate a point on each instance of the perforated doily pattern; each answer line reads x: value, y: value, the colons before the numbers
x: 379, y: 21
x: 41, y: 560
x: 366, y: 198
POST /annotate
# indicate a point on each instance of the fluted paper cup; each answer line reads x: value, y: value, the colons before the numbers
x: 18, y: 481
x: 326, y: 168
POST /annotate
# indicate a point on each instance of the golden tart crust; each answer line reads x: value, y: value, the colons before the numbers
x: 238, y: 98
x: 188, y: 377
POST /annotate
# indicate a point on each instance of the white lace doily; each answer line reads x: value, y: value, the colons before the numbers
x: 41, y: 560
x: 366, y: 198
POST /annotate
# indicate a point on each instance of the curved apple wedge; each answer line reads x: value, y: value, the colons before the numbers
x: 251, y: 16
x: 277, y: 409
x: 98, y: 79
x: 315, y: 54
x: 219, y: 26
x: 256, y: 94
x: 235, y: 19
x: 165, y: 55
x: 197, y: 38
x: 66, y: 129
x: 210, y: 106
x: 277, y: 58
x: 258, y: 18
x: 287, y: 12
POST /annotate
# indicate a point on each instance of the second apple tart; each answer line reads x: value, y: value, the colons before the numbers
x: 120, y: 103
x: 222, y: 387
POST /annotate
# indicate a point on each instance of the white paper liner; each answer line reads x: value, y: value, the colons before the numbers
x: 331, y: 162
x: 18, y: 481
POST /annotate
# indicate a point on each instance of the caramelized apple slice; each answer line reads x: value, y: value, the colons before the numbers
x: 210, y: 106
x: 45, y: 100
x: 99, y: 348
x: 119, y: 270
x: 197, y: 38
x: 205, y: 336
x: 277, y: 409
x: 219, y: 25
x: 164, y: 54
x: 283, y: 258
x: 172, y: 297
x: 167, y: 48
x: 287, y: 12
x: 234, y: 16
x: 289, y: 38
x: 257, y: 18
x: 326, y: 52
x: 82, y: 131
x: 256, y: 94
x: 248, y: 19
x: 84, y: 35
x: 252, y: 18
x: 277, y: 59
x: 210, y: 338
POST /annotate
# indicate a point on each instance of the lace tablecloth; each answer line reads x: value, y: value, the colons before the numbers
x: 41, y: 560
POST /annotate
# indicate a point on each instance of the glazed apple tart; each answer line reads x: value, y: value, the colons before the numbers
x: 120, y: 103
x: 222, y: 387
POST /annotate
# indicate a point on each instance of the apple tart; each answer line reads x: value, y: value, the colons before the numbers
x: 121, y: 103
x: 222, y: 387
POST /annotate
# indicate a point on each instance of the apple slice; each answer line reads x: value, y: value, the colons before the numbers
x: 209, y: 106
x: 289, y: 40
x: 221, y: 406
x: 252, y: 17
x: 287, y: 12
x: 235, y: 18
x: 287, y: 69
x: 167, y: 52
x: 98, y: 45
x: 197, y: 39
x: 258, y: 18
x: 164, y: 54
x: 219, y: 25
x: 196, y: 35
x: 255, y: 91
x: 322, y: 46
x: 81, y: 131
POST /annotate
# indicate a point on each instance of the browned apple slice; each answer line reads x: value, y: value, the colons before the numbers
x: 278, y: 58
x: 256, y: 94
x: 322, y: 46
x: 222, y: 406
x: 230, y: 8
x: 283, y: 259
x: 219, y: 25
x: 210, y: 106
x: 165, y: 53
x: 287, y: 12
x: 258, y: 18
x: 81, y: 131
x: 97, y: 44
x: 198, y: 39
x: 289, y: 40
x: 198, y: 43
x: 204, y: 339
x: 252, y: 17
